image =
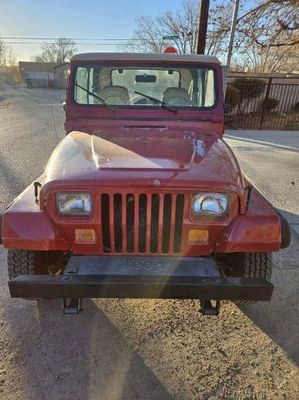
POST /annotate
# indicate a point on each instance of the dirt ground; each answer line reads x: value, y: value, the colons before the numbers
x: 149, y: 349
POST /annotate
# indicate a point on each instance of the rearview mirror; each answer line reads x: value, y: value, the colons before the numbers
x: 145, y: 78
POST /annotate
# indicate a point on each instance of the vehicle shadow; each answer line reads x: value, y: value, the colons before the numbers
x: 279, y: 317
x: 81, y: 357
x: 293, y: 219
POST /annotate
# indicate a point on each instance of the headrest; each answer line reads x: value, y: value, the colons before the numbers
x: 175, y: 96
x: 117, y: 95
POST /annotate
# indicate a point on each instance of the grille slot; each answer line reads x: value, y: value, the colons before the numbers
x: 130, y: 222
x: 178, y: 226
x: 105, y: 211
x: 142, y: 223
x: 166, y: 223
x: 118, y: 222
x: 154, y: 223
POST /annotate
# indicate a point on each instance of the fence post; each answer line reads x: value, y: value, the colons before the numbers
x: 264, y: 106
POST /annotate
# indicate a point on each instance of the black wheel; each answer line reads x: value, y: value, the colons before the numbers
x: 246, y: 265
x: 25, y: 262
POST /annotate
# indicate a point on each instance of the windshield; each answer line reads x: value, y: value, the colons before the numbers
x: 176, y: 87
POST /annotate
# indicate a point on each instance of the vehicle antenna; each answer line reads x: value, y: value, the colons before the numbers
x: 36, y: 185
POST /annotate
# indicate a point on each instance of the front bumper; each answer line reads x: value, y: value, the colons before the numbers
x: 141, y: 277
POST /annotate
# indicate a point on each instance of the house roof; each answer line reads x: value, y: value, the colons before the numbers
x: 170, y: 57
x: 61, y: 65
x: 36, y: 66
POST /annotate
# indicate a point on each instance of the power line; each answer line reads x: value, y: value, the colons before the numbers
x: 72, y: 38
x: 77, y: 43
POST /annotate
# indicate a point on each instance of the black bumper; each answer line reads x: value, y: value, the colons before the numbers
x: 141, y: 277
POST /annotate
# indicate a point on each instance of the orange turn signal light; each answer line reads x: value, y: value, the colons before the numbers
x: 198, y: 235
x: 85, y: 236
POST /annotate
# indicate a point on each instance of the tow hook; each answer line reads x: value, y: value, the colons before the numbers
x: 208, y: 308
x: 72, y: 305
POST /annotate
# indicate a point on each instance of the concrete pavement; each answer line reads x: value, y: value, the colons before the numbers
x: 271, y: 159
x: 281, y: 139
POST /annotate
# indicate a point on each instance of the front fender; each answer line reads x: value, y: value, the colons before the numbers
x: 285, y: 231
x: 26, y: 226
x: 259, y: 229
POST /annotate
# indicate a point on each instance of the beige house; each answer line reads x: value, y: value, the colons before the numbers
x: 37, y: 74
x: 43, y: 74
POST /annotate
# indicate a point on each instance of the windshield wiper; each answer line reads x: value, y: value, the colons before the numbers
x: 95, y: 96
x: 163, y: 104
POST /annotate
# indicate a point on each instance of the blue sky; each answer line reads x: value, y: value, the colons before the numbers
x: 74, y: 18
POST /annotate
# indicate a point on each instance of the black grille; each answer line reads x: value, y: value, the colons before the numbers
x: 142, y: 223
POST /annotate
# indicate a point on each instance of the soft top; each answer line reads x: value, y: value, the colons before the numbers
x: 170, y: 57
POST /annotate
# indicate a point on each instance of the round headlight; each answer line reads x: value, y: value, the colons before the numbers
x: 213, y: 204
x: 74, y: 203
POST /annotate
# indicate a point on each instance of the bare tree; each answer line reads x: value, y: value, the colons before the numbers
x: 177, y: 29
x: 219, y: 26
x: 182, y: 26
x: 9, y: 71
x: 3, y: 52
x: 268, y: 59
x: 180, y: 29
x: 59, y: 51
x: 267, y: 34
x: 271, y: 23
x: 147, y: 38
x: 7, y: 56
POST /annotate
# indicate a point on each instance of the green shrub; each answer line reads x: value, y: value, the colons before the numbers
x: 249, y: 88
x: 232, y: 96
x: 270, y: 103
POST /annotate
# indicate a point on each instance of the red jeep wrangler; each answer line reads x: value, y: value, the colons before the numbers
x: 143, y: 198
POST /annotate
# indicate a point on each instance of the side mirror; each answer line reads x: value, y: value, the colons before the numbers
x: 64, y: 106
x: 227, y: 108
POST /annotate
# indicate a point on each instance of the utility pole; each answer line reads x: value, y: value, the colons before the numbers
x: 202, y: 26
x: 232, y: 34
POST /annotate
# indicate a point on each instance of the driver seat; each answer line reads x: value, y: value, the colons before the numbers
x: 175, y: 96
x: 115, y: 95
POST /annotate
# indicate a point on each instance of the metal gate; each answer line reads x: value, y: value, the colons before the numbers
x: 263, y: 103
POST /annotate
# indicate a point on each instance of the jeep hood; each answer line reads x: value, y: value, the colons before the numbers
x: 172, y: 157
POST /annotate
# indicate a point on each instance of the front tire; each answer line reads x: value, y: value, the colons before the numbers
x: 26, y: 262
x: 247, y: 265
x: 251, y: 265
